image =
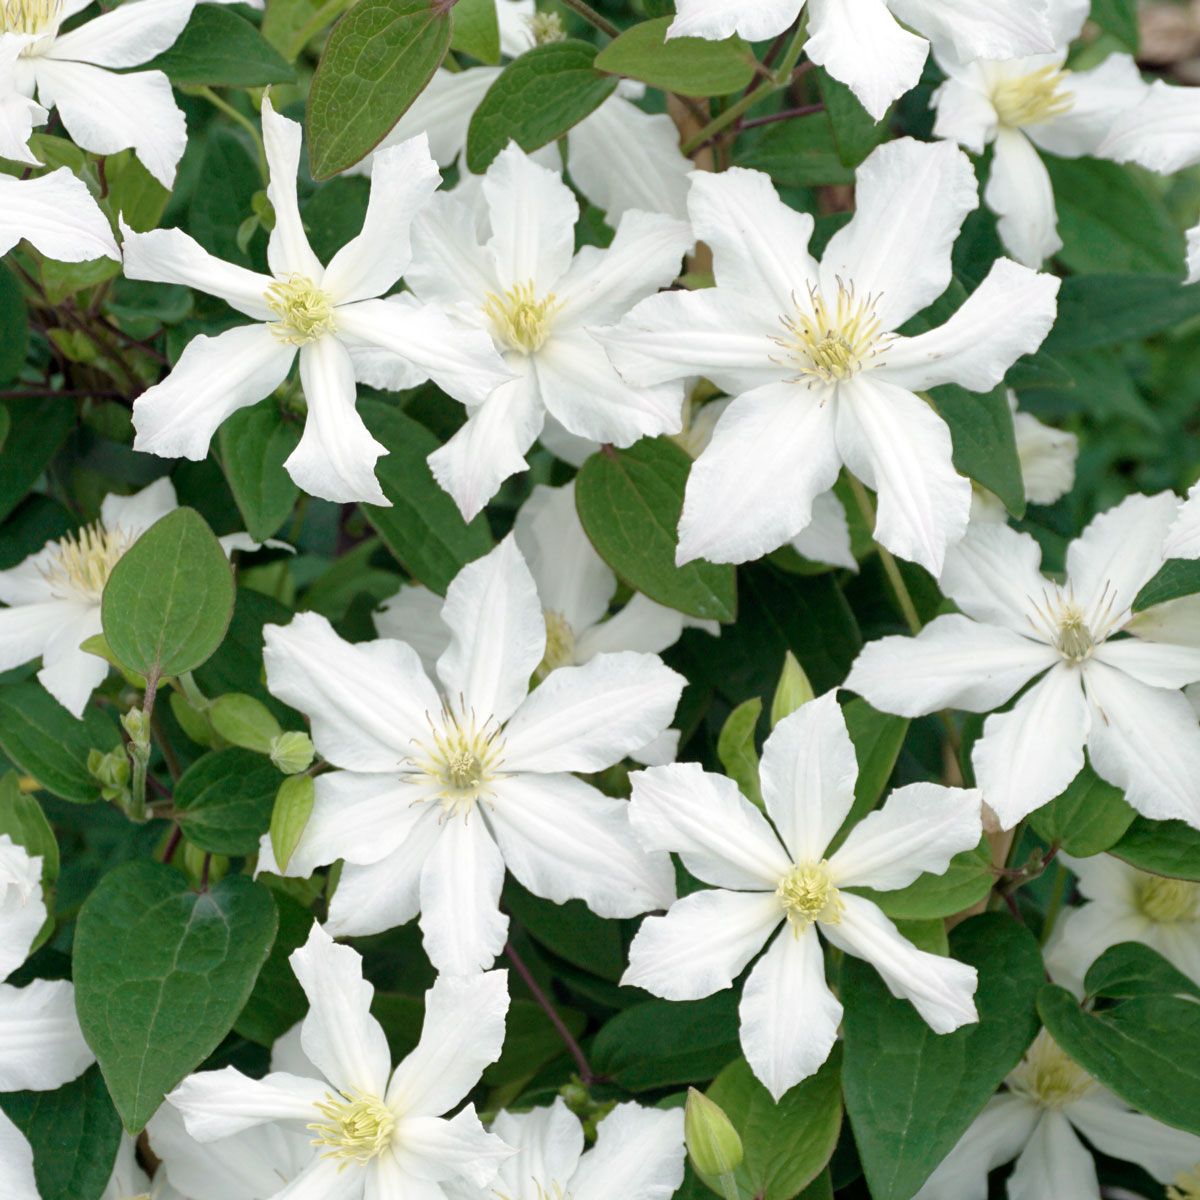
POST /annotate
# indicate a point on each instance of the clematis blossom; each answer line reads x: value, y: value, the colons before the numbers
x: 864, y: 44
x: 441, y: 787
x: 331, y: 317
x: 1046, y: 1103
x: 810, y: 353
x: 542, y: 303
x: 372, y: 1131
x: 776, y: 884
x: 54, y: 595
x: 1105, y: 677
x: 83, y: 73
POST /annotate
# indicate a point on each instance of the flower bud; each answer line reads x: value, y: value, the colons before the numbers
x: 792, y: 691
x: 243, y: 721
x: 293, y: 807
x: 137, y: 725
x: 291, y: 752
x: 110, y: 771
x: 712, y: 1141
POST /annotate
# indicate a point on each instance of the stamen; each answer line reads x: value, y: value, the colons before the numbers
x: 807, y: 895
x: 1186, y: 1186
x: 1029, y: 99
x: 30, y: 16
x: 832, y: 346
x: 1062, y: 621
x: 357, y: 1127
x: 1167, y: 901
x: 560, y: 644
x: 1047, y: 1076
x: 80, y: 563
x: 462, y: 760
x: 305, y: 312
x: 520, y: 319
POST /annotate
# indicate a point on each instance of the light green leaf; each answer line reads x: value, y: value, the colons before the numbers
x: 687, y: 66
x: 476, y: 30
x: 289, y: 816
x: 736, y: 749
x: 254, y: 443
x: 223, y: 801
x: 243, y: 721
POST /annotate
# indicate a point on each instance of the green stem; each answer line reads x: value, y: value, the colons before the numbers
x: 729, y: 1187
x: 592, y: 17
x: 1058, y: 895
x: 223, y: 105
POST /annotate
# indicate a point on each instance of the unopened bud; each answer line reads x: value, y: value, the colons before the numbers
x: 243, y: 721
x: 137, y: 725
x: 110, y: 771
x: 289, y: 817
x: 712, y: 1141
x: 547, y: 28
x: 792, y: 691
x: 292, y: 752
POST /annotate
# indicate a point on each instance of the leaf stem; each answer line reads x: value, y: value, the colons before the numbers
x: 592, y: 17
x: 223, y: 105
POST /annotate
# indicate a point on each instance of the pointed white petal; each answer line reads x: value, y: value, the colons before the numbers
x: 826, y: 538
x: 993, y: 576
x: 288, y: 250
x: 68, y: 673
x: 126, y: 36
x: 27, y: 629
x: 57, y: 215
x: 436, y: 1149
x: 1082, y: 934
x: 414, y: 615
x: 41, y: 1046
x: 1156, y: 664
x: 1019, y: 192
x: 1099, y: 97
x: 981, y: 28
x: 324, y: 1179
x: 1183, y: 538
x: 641, y: 625
x: 22, y: 908
x: 548, y: 1142
x: 26, y: 583
x: 963, y: 107
x: 217, y: 1104
x: 136, y: 513
x: 719, y: 19
x: 1047, y: 458
x: 638, y: 1155
x: 1161, y: 133
x: 1110, y: 1126
x: 1054, y: 1163
x: 449, y: 265
x: 17, y: 1180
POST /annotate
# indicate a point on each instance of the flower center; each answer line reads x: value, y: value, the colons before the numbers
x: 1048, y: 1077
x: 80, y: 563
x: 305, y: 312
x: 807, y: 895
x: 1168, y: 900
x: 830, y: 345
x: 31, y: 17
x: 1074, y: 640
x: 560, y: 644
x: 1073, y: 632
x: 1186, y: 1186
x: 461, y: 760
x: 1029, y: 99
x: 520, y: 319
x: 356, y: 1128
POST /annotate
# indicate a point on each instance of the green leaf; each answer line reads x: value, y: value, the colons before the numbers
x: 423, y: 528
x: 985, y: 445
x: 161, y: 974
x: 911, y: 1093
x: 855, y: 132
x: 289, y: 816
x: 736, y: 749
x: 223, y: 801
x: 535, y: 100
x: 1145, y: 1049
x: 476, y: 30
x: 237, y: 664
x: 168, y: 601
x: 878, y: 739
x: 662, y: 1044
x: 785, y: 1145
x: 530, y: 1041
x: 37, y: 428
x: 570, y: 930
x: 1104, y: 310
x: 14, y: 332
x: 1133, y: 969
x: 45, y: 741
x: 290, y: 27
x: 630, y: 502
x: 1175, y: 578
x: 377, y: 61
x: 1161, y: 847
x: 1118, y: 17
x: 687, y: 66
x: 254, y: 443
x: 74, y: 1132
x: 967, y: 880
x: 21, y: 817
x: 220, y: 49
x: 278, y: 1001
x: 796, y: 153
x: 1086, y: 819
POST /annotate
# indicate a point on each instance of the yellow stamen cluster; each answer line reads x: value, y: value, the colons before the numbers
x: 356, y: 1128
x: 1186, y: 1186
x: 560, y: 644
x: 520, y: 319
x: 807, y: 895
x: 1030, y: 99
x: 1168, y: 900
x: 30, y: 16
x: 1074, y: 633
x: 80, y: 564
x: 1047, y: 1076
x: 461, y: 760
x: 1075, y: 642
x: 831, y: 345
x: 305, y: 312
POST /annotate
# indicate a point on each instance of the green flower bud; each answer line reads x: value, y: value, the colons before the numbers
x: 137, y: 725
x: 111, y: 772
x: 792, y: 691
x: 712, y: 1141
x: 291, y: 752
x: 192, y: 861
x: 243, y: 721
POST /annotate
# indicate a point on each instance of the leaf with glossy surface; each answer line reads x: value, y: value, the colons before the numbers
x: 737, y: 751
x: 254, y: 443
x: 1161, y: 847
x: 985, y: 444
x: 1133, y: 969
x: 1089, y: 817
x: 968, y: 879
x: 687, y: 66
x: 1175, y: 578
x: 218, y: 48
x: 223, y: 801
x: 476, y: 30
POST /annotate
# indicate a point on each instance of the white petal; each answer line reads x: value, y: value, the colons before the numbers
x: 941, y: 989
x: 719, y: 19
x: 721, y: 837
x: 1047, y: 458
x: 1192, y: 261
x: 434, y: 1148
x: 1028, y: 755
x: 214, y: 377
x: 920, y: 828
x: 217, y: 1104
x: 105, y: 112
x: 826, y: 538
x: 895, y: 443
x: 963, y: 106
x: 789, y: 1016
x: 703, y: 943
x: 288, y: 250
x: 1111, y: 1127
x: 588, y: 718
x: 57, y: 215
x: 1183, y: 538
x: 564, y: 840
x: 463, y: 1032
x: 124, y: 36
x: 339, y: 1035
x: 548, y: 1142
x: 41, y: 1046
x: 1082, y: 934
x: 17, y: 1180
x: 68, y: 673
x: 414, y: 615
x: 1145, y: 741
x: 808, y: 773
x: 1008, y: 315
x: 1156, y: 664
x: 497, y: 634
x: 18, y: 113
x: 449, y: 265
x: 1161, y: 133
x: 136, y: 513
x: 912, y: 198
x: 638, y: 1155
x: 993, y: 575
x: 366, y: 702
x: 981, y: 28
x: 324, y: 1179
x: 22, y: 908
x: 1099, y: 97
x: 641, y: 625
x: 1054, y: 1163
x: 1175, y: 621
x: 1019, y: 192
x: 860, y: 43
x: 27, y: 629
x: 772, y: 453
x: 461, y: 879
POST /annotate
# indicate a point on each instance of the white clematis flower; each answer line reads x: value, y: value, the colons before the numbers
x: 1183, y: 538
x: 809, y: 352
x: 1023, y: 105
x: 56, y: 215
x: 863, y: 43
x: 575, y: 588
x: 54, y: 594
x: 1048, y: 1101
x: 541, y: 302
x: 373, y: 1132
x: 331, y: 316
x: 764, y: 878
x: 104, y: 107
x: 41, y: 1045
x: 440, y: 788
x: 1118, y: 695
x: 1123, y: 904
x: 638, y: 1155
